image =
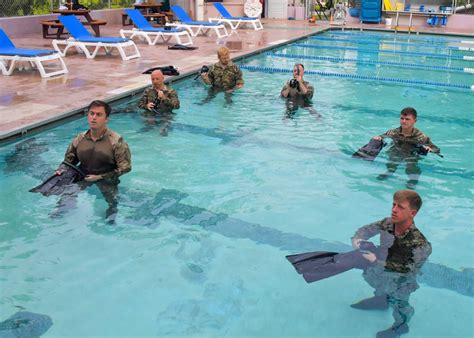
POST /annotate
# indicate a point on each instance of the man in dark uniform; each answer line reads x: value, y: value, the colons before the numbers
x: 298, y: 93
x: 392, y: 273
x: 159, y: 101
x: 223, y: 76
x: 102, y: 155
x: 406, y: 139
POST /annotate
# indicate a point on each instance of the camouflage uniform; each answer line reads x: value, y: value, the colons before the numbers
x: 294, y: 92
x: 225, y: 77
x: 108, y: 156
x: 399, y: 259
x: 166, y: 105
x: 402, y: 150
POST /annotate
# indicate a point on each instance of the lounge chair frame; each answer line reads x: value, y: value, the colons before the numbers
x: 82, y: 40
x: 234, y: 21
x: 108, y: 48
x: 152, y: 34
x: 11, y: 56
x: 152, y: 37
x: 196, y: 28
x: 9, y: 63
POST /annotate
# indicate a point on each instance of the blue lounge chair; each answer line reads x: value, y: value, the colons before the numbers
x: 151, y: 34
x: 234, y: 21
x: 10, y: 56
x: 196, y: 27
x: 81, y: 39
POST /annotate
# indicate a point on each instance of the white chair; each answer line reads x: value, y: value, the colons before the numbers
x: 10, y: 56
x: 81, y: 39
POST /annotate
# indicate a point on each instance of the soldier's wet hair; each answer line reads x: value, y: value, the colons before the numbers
x: 409, y: 111
x: 414, y: 200
x: 223, y: 51
x: 99, y: 103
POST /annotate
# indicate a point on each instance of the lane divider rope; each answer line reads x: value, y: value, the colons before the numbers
x: 383, y: 51
x: 405, y: 37
x: 359, y: 77
x: 373, y: 62
x: 398, y: 43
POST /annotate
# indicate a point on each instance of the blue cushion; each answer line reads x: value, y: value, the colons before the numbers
x: 25, y: 52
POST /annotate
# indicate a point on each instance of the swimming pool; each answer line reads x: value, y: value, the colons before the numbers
x: 208, y: 212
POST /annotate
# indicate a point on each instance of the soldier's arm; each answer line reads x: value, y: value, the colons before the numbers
x: 171, y: 99
x: 144, y: 100
x: 285, y: 91
x: 389, y: 133
x: 426, y: 141
x: 309, y: 91
x: 421, y: 254
x: 71, y: 155
x: 368, y: 231
x: 239, y: 81
x: 123, y: 160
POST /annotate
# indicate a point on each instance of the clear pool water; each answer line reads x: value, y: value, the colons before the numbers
x: 209, y: 211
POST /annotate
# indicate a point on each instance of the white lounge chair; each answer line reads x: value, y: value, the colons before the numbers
x: 152, y: 34
x: 196, y: 27
x: 234, y: 21
x: 81, y: 39
x: 10, y: 56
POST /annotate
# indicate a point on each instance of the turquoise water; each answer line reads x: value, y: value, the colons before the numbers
x: 209, y: 212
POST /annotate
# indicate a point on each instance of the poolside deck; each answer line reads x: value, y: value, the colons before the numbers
x: 27, y: 101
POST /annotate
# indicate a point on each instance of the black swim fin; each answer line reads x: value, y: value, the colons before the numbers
x: 24, y: 324
x: 370, y: 151
x: 166, y: 70
x: 182, y: 47
x: 318, y: 265
x: 56, y: 184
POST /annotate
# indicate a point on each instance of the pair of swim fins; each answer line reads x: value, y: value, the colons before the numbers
x: 370, y: 151
x: 57, y: 184
x: 318, y: 265
x: 182, y: 47
x: 166, y: 70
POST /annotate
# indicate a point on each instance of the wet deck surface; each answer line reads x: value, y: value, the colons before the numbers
x: 28, y: 101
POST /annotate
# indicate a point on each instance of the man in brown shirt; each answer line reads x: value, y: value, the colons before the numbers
x: 405, y: 141
x: 101, y: 153
x: 159, y: 101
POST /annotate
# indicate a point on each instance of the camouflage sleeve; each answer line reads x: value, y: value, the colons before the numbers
x: 285, y: 87
x: 390, y: 133
x: 71, y: 153
x: 421, y: 138
x: 211, y: 75
x: 238, y: 76
x: 370, y: 230
x: 123, y: 160
x: 421, y: 254
x: 171, y: 99
x: 145, y: 99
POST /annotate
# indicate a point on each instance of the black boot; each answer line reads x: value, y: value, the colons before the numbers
x: 373, y: 303
x: 393, y: 332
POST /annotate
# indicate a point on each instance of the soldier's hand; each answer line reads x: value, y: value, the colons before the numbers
x: 428, y: 148
x: 150, y: 105
x: 58, y: 172
x: 377, y: 138
x: 92, y: 178
x: 161, y: 95
x: 239, y: 86
x: 369, y: 256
